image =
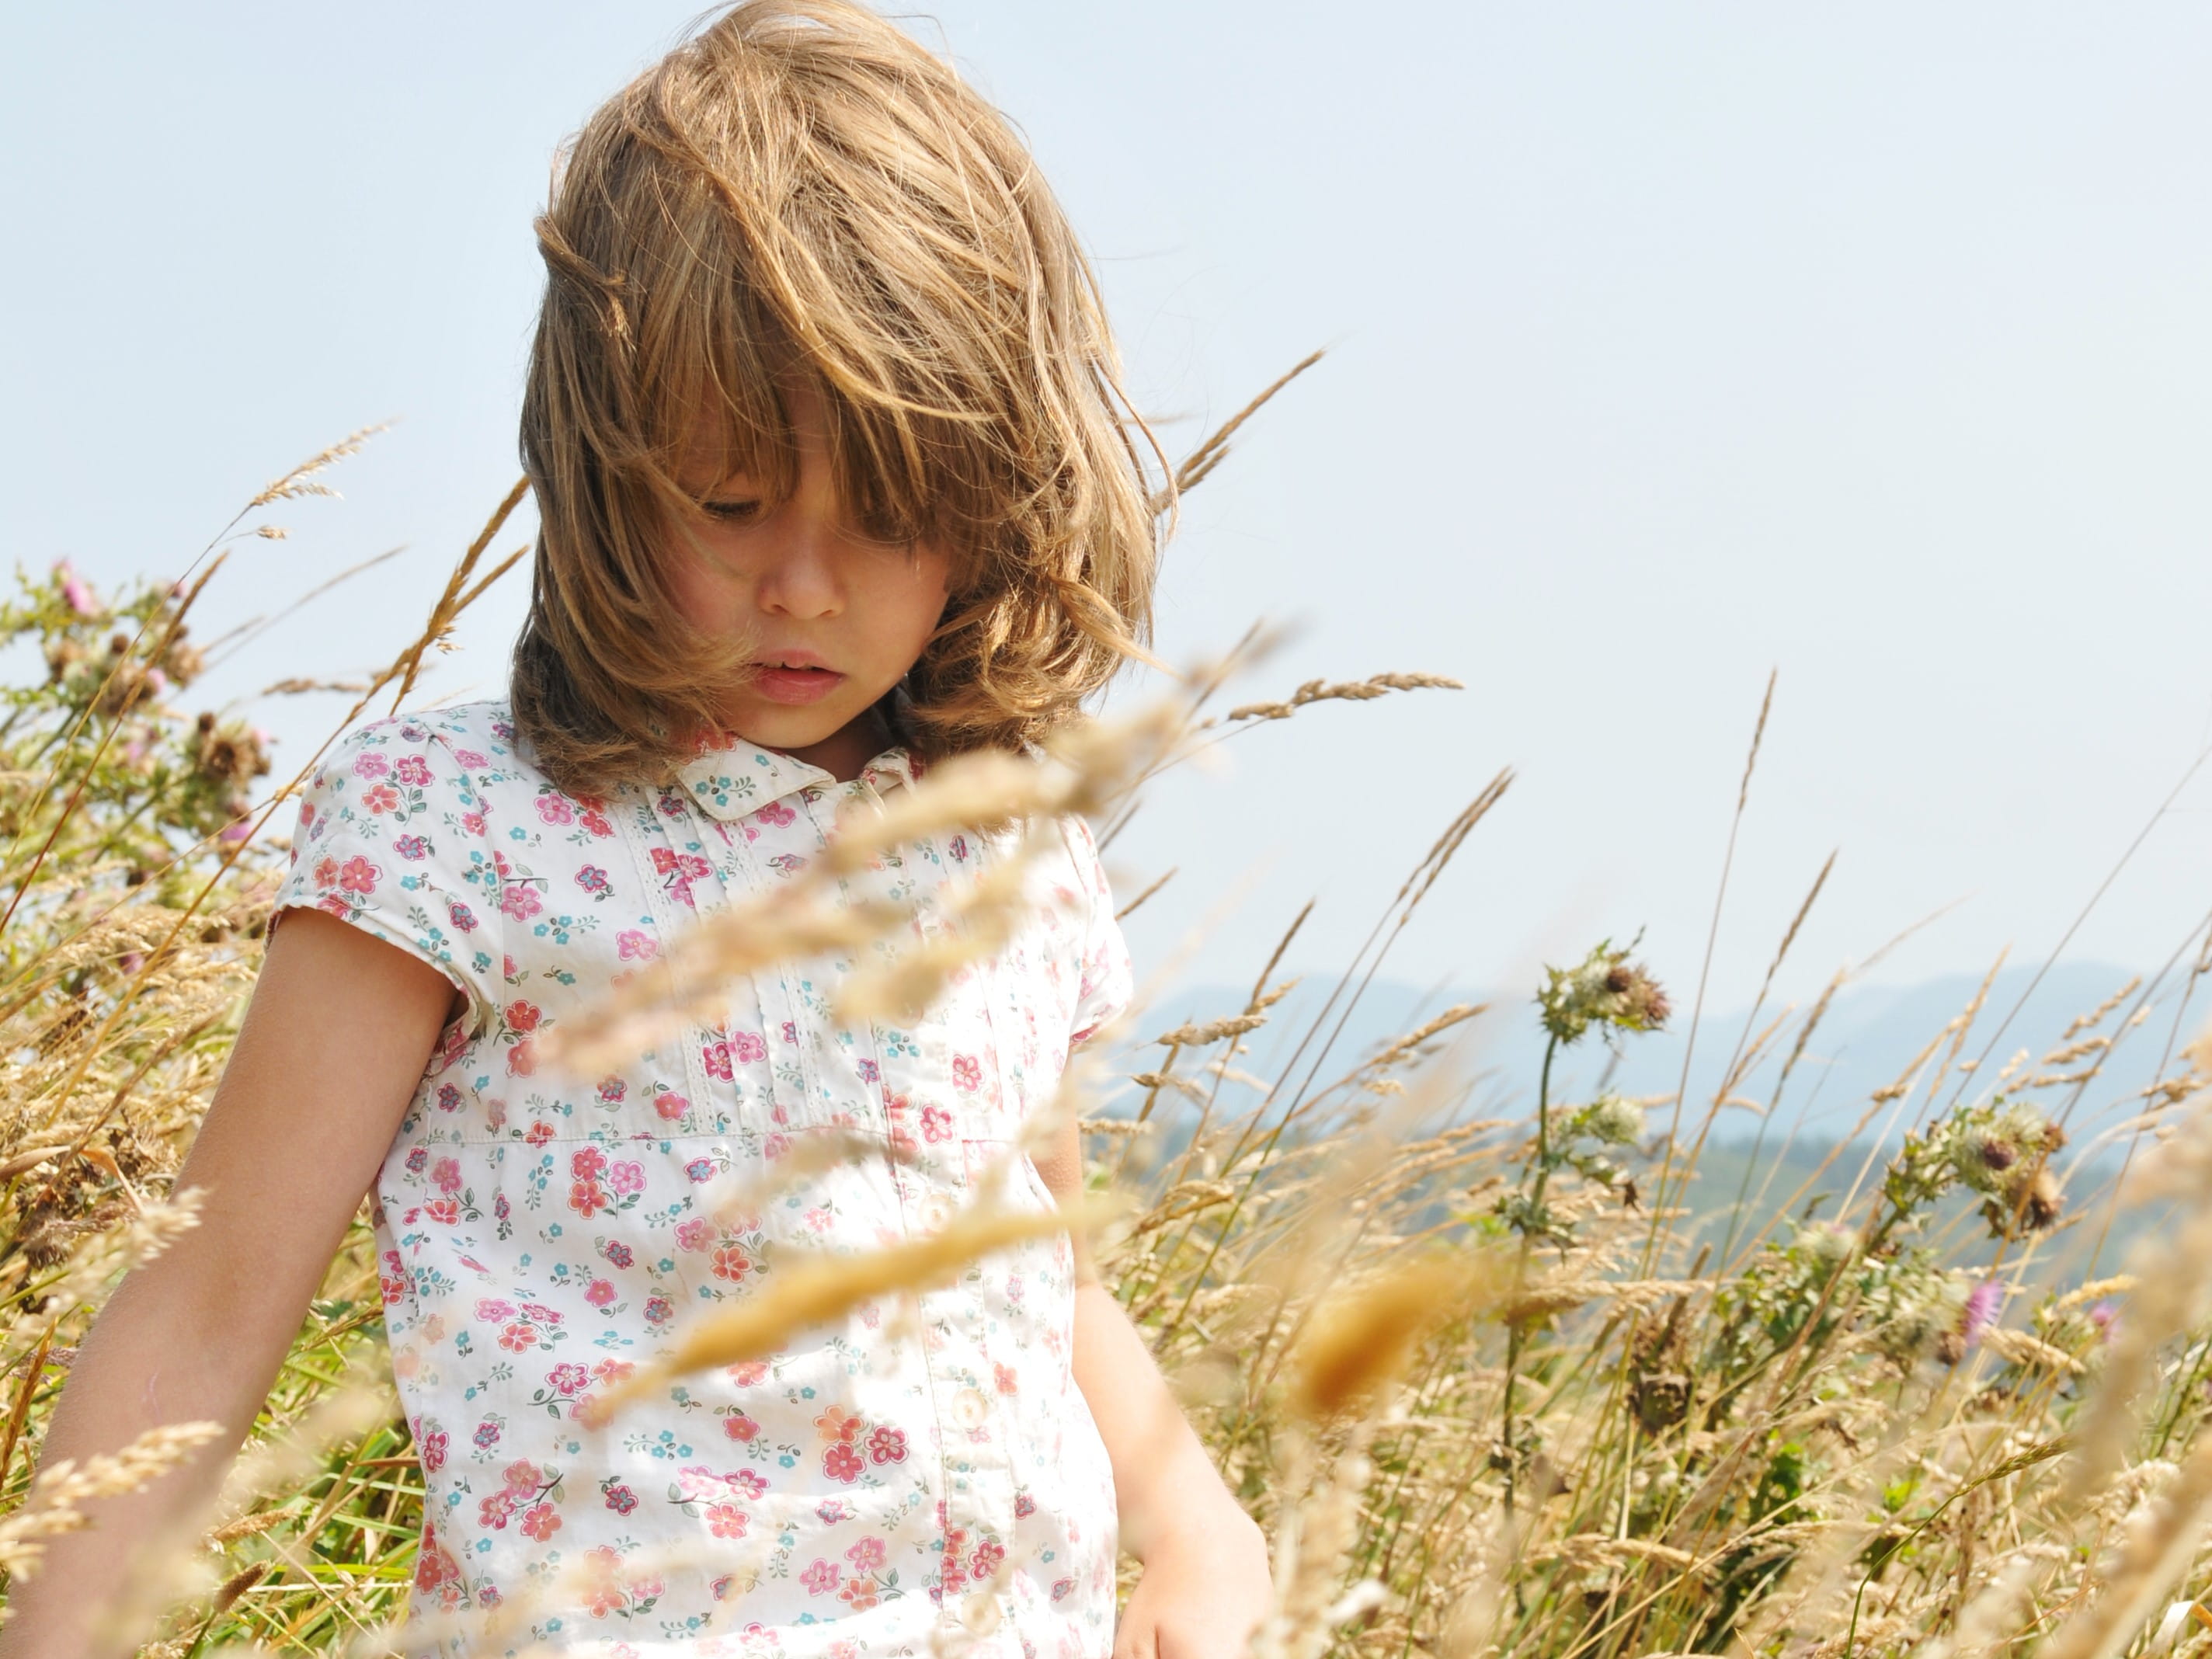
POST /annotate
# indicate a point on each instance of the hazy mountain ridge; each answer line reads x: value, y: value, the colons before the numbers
x: 1867, y: 1040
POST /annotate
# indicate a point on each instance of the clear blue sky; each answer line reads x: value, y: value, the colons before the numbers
x: 1669, y: 343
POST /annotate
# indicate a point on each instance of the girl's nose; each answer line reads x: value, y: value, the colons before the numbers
x: 803, y: 581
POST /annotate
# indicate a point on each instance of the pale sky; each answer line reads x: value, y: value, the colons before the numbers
x: 1669, y: 344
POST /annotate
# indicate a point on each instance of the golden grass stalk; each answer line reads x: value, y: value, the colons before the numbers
x: 807, y: 1289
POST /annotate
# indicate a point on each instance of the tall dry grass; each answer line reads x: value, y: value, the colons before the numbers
x: 1483, y: 1383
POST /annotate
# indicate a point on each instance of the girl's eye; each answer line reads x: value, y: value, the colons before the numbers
x: 732, y: 512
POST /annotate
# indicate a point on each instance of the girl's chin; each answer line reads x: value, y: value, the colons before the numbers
x: 838, y: 733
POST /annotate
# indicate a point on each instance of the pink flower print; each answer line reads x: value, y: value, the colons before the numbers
x: 747, y: 1373
x: 432, y: 1450
x: 596, y: 822
x: 777, y: 813
x: 627, y: 1177
x: 866, y: 1555
x: 491, y: 1309
x: 859, y: 1594
x: 588, y: 1198
x: 791, y: 1031
x: 730, y: 1261
x: 967, y: 1075
x: 988, y: 1554
x: 867, y: 1070
x: 462, y: 918
x: 470, y: 758
x: 621, y: 1499
x: 958, y: 848
x: 611, y: 1091
x: 1007, y: 1380
x: 727, y: 1521
x: 936, y: 1123
x: 448, y: 1174
x: 587, y: 1162
x: 381, y: 798
x: 414, y: 849
x: 631, y: 946
x: 358, y: 875
x: 822, y: 1577
x: 473, y: 823
x: 1024, y: 1506
x: 568, y: 1379
x: 670, y: 1105
x: 520, y: 900
x: 715, y: 1057
x: 538, y: 1134
x: 695, y: 1234
x: 487, y: 1434
x: 599, y: 1292
x: 418, y: 1159
x: 370, y: 764
x: 555, y: 808
x: 523, y: 1016
x: 748, y: 1483
x: 843, y: 1463
x: 542, y: 1522
x: 519, y: 1336
x: 836, y: 1424
x: 443, y: 1210
x: 678, y: 871
x: 413, y: 771
x: 739, y: 1427
x: 886, y: 1445
x: 829, y: 1513
x: 495, y: 1509
x: 522, y: 1476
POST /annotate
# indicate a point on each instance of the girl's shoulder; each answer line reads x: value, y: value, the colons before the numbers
x: 464, y: 740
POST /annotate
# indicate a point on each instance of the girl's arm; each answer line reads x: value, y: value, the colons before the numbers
x: 1204, y: 1585
x: 325, y: 1065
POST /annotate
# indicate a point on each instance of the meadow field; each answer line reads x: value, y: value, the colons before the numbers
x: 1571, y: 1378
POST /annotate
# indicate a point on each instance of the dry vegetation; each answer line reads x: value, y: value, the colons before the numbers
x: 1476, y: 1379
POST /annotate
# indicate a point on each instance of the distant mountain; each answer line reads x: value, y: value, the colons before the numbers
x: 1867, y: 1040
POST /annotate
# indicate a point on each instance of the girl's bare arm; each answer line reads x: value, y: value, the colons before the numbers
x: 1204, y: 1585
x: 332, y: 1048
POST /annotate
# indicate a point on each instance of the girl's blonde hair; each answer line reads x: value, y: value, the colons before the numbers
x: 801, y: 190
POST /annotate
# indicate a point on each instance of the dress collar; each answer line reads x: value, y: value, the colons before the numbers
x: 734, y: 782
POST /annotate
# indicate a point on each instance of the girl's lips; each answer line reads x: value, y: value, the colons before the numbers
x: 796, y: 686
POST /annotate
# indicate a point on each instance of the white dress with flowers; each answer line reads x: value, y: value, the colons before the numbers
x: 917, y: 1475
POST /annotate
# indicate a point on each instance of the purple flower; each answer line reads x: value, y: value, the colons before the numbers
x: 2105, y: 1315
x: 74, y: 590
x: 1983, y: 1303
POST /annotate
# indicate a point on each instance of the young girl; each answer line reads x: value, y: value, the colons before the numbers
x: 821, y: 421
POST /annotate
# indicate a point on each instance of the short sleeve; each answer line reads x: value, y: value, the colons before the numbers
x: 392, y: 838
x: 1106, y: 982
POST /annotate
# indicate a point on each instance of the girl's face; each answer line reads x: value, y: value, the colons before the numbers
x: 832, y: 619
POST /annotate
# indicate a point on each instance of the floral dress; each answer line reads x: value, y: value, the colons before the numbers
x: 918, y: 1476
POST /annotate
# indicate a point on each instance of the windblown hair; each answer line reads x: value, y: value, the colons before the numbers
x: 800, y: 190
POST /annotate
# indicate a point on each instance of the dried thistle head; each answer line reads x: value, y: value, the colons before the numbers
x: 1605, y: 990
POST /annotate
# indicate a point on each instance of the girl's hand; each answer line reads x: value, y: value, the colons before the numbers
x: 1204, y: 1590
